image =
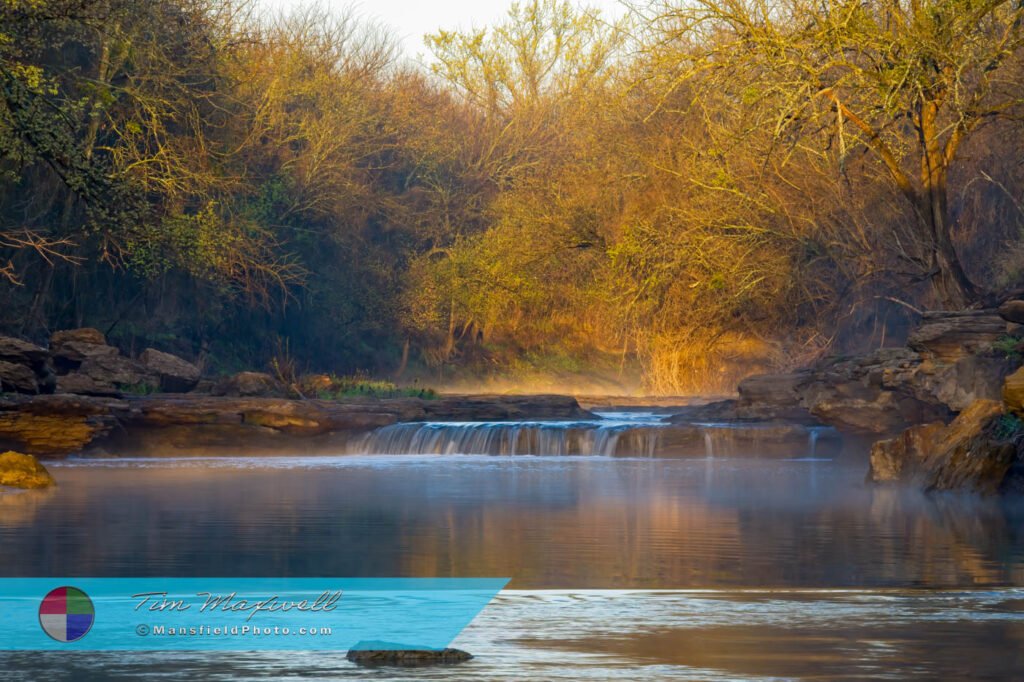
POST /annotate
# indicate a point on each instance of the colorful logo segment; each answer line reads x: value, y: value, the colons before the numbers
x: 66, y: 614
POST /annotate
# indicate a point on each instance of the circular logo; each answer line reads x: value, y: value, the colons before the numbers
x: 66, y: 614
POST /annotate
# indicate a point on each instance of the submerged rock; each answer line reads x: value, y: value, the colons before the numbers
x: 18, y: 470
x: 977, y: 452
x: 407, y: 658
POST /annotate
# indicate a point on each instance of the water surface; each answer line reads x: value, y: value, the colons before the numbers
x: 739, y: 567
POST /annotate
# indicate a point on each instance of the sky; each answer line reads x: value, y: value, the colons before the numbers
x: 411, y: 19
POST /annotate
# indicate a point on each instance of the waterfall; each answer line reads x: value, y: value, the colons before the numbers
x: 610, y: 435
x: 508, y: 438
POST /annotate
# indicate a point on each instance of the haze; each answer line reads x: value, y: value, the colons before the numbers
x: 411, y: 20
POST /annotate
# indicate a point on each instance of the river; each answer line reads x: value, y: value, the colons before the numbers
x: 731, y: 563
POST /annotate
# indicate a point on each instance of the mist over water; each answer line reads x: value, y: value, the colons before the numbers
x: 634, y: 433
x: 548, y: 522
x: 720, y: 564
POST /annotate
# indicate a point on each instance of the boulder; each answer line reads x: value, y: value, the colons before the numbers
x: 249, y: 384
x: 406, y: 658
x: 83, y: 384
x: 1012, y: 311
x: 175, y: 375
x: 977, y: 452
x: 17, y: 378
x: 23, y: 471
x: 22, y: 352
x: 949, y: 336
x: 108, y: 375
x: 891, y: 459
x: 70, y: 348
x: 25, y: 367
x: 773, y: 396
x: 1013, y: 392
x: 83, y: 335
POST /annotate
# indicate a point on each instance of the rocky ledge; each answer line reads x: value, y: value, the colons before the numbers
x: 945, y: 409
x: 82, y: 394
x: 63, y: 424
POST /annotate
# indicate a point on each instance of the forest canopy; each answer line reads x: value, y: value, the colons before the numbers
x: 664, y: 202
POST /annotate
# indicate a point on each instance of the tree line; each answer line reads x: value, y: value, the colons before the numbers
x: 687, y: 194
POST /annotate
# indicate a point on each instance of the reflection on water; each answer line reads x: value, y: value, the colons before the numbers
x: 634, y: 635
x: 584, y: 540
x: 545, y: 522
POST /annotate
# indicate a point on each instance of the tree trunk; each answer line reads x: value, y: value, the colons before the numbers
x: 405, y: 360
x: 953, y: 289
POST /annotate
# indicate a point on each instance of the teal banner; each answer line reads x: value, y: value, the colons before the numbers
x: 238, y: 614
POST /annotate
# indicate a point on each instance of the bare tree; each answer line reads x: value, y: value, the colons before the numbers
x: 909, y: 81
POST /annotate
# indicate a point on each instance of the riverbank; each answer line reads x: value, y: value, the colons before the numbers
x: 64, y: 424
x: 941, y: 413
x: 944, y: 411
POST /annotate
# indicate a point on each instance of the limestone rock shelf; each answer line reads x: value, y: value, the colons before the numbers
x: 63, y: 424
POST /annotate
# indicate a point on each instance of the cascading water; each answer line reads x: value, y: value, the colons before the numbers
x: 621, y: 434
x: 632, y: 434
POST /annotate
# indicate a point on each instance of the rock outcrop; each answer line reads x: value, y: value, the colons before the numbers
x: 1012, y: 311
x: 951, y: 361
x: 773, y: 396
x: 168, y: 424
x: 79, y: 361
x: 174, y: 374
x: 979, y: 452
x: 1013, y: 392
x: 71, y: 347
x: 56, y: 424
x: 25, y: 367
x: 949, y: 336
x: 249, y: 384
x: 23, y: 471
x: 86, y: 365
